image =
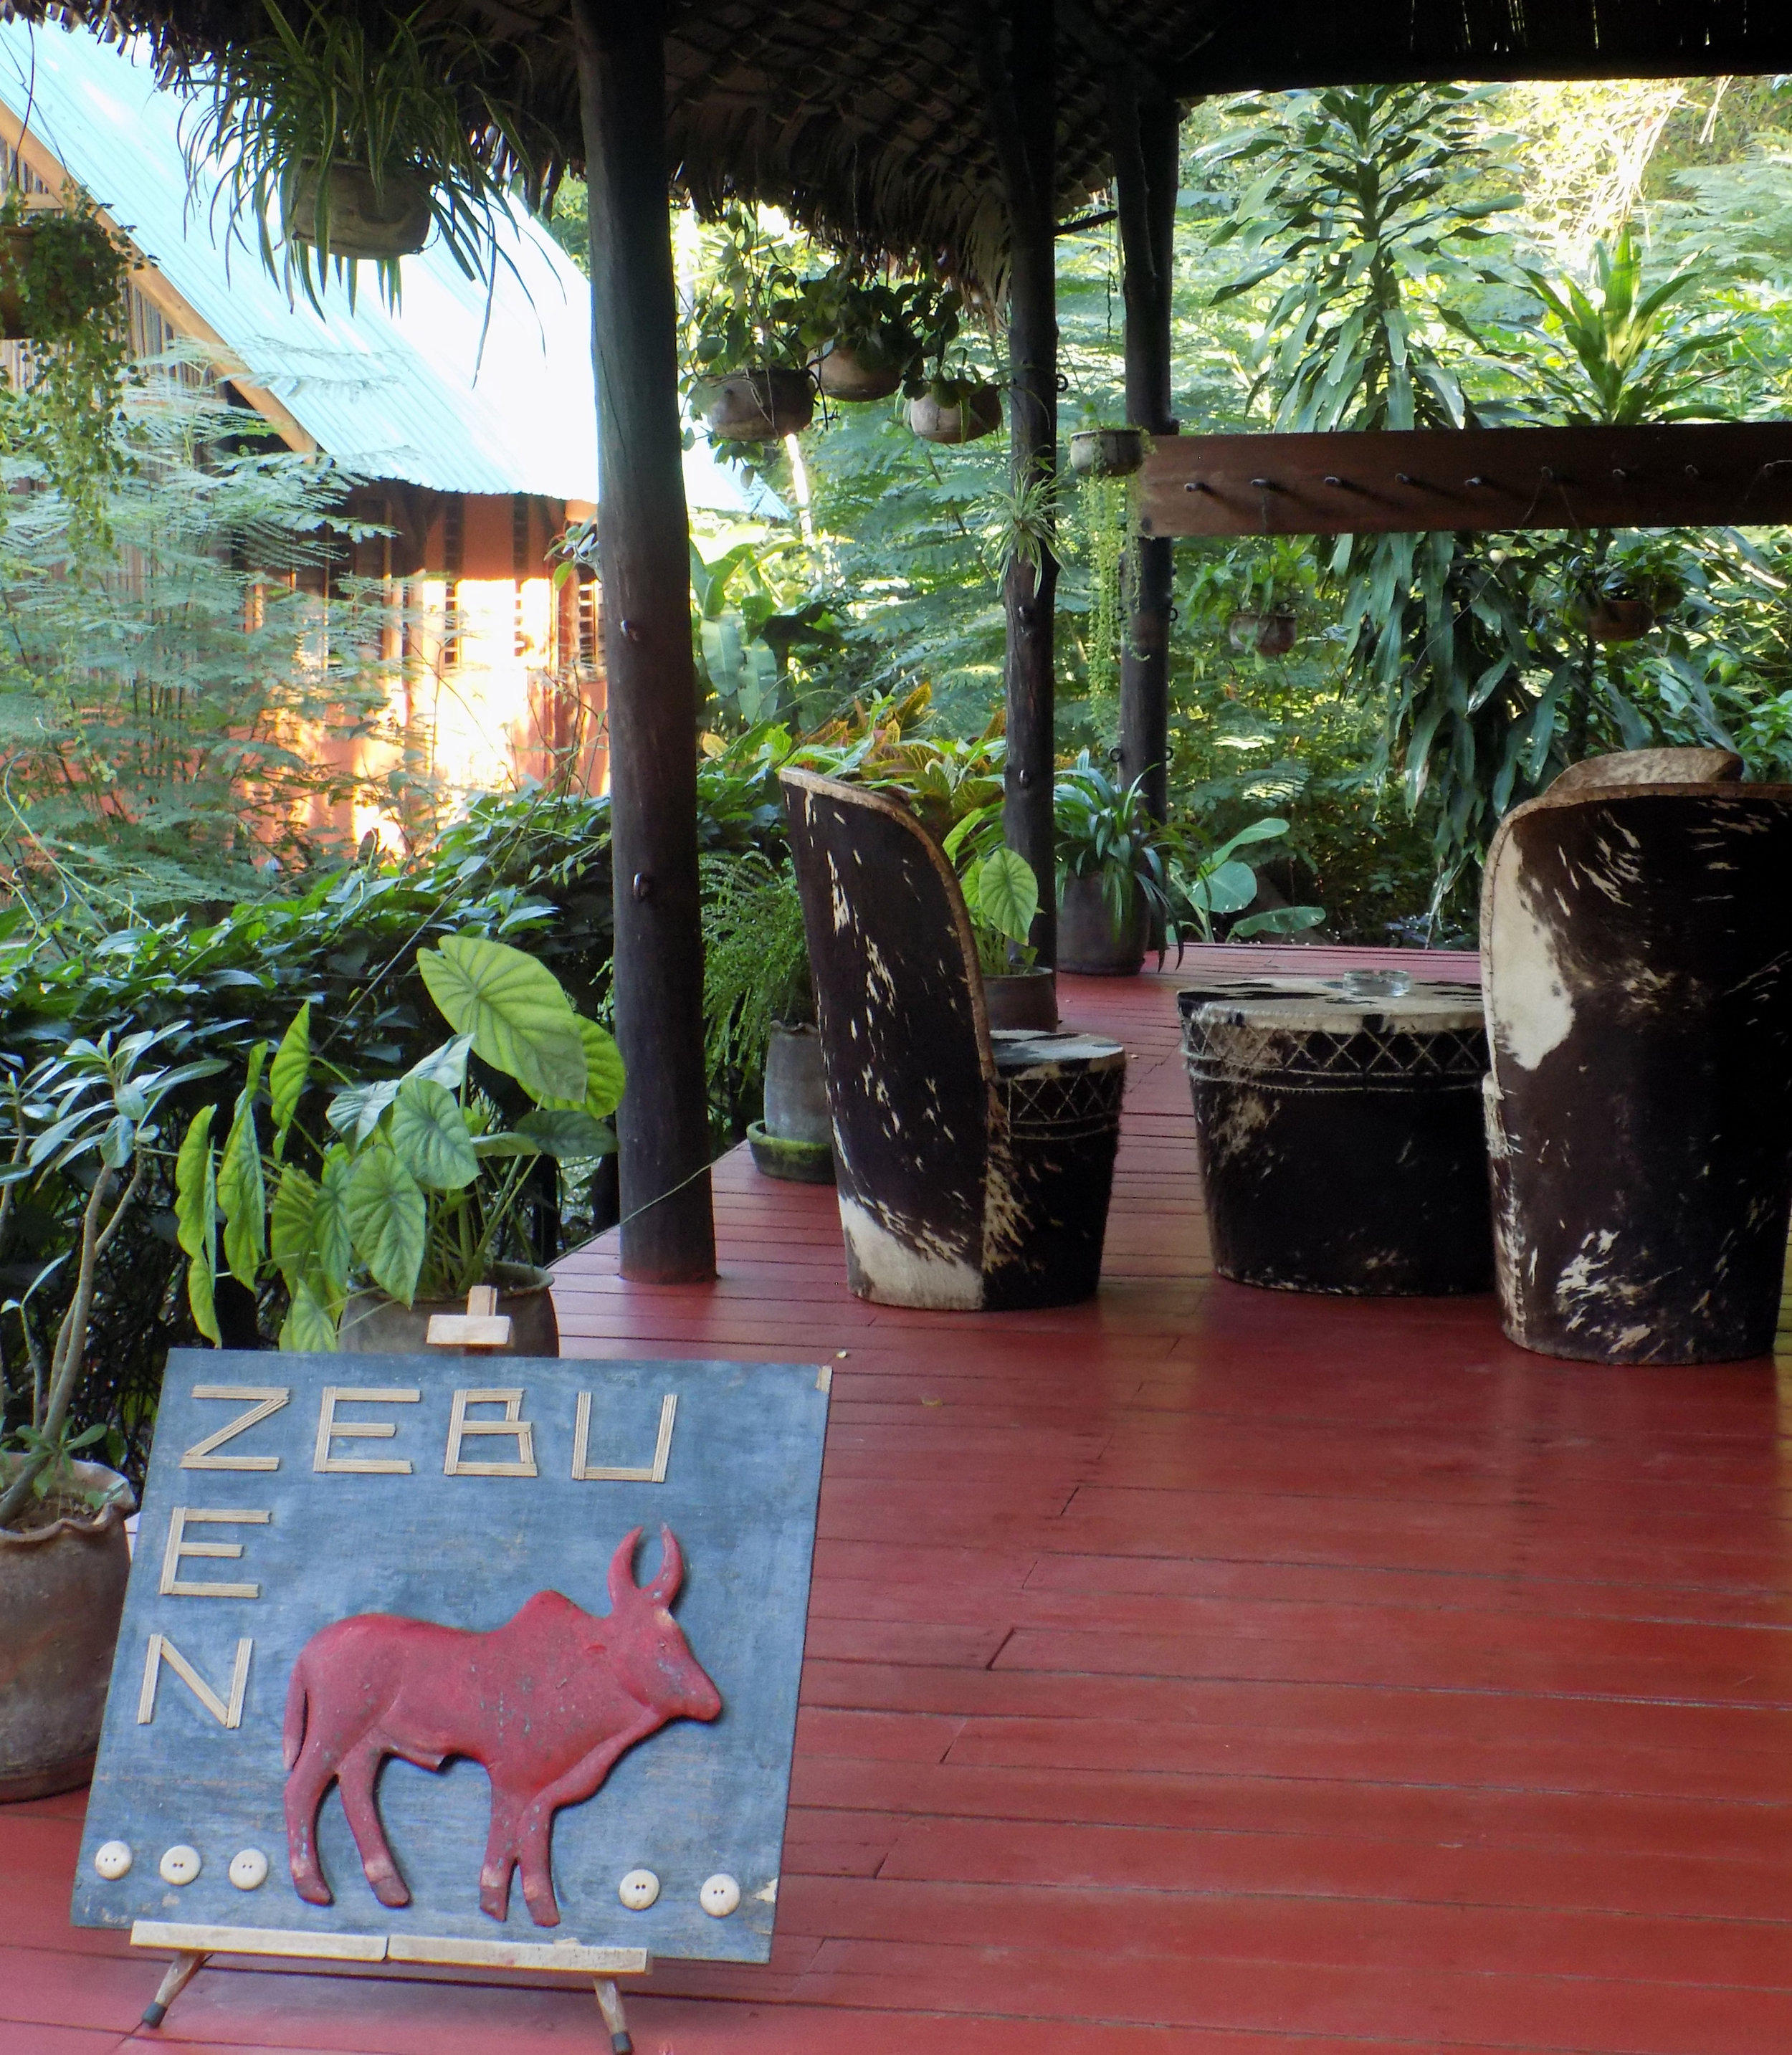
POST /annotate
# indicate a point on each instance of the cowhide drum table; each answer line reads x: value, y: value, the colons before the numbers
x: 1341, y: 1138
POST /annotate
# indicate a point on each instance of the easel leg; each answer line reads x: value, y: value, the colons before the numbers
x: 609, y: 2004
x: 181, y: 1973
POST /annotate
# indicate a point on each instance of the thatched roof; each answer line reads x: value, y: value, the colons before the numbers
x: 870, y: 121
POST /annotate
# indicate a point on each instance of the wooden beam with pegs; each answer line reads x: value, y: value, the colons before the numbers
x: 1694, y: 475
x: 481, y: 1326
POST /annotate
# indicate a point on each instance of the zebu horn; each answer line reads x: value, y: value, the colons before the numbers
x: 622, y: 1586
x: 664, y: 1588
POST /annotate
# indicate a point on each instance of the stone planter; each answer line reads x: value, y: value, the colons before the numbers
x: 796, y: 1139
x: 1107, y: 452
x: 977, y: 413
x: 1023, y: 999
x: 61, y: 1592
x: 361, y: 223
x: 841, y: 376
x: 761, y: 406
x: 1268, y: 634
x: 373, y: 1324
x: 1091, y: 942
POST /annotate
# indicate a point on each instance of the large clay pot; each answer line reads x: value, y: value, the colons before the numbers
x: 841, y: 376
x: 61, y: 1592
x: 1091, y: 942
x: 759, y: 406
x: 796, y: 1139
x: 1620, y: 620
x: 977, y: 413
x: 361, y: 223
x: 373, y: 1324
x: 1268, y: 634
x: 1023, y: 999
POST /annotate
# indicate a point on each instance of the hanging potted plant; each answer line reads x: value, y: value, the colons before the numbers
x: 871, y: 342
x: 949, y: 401
x: 360, y: 143
x: 759, y: 1009
x: 1107, y: 452
x: 750, y: 333
x: 85, y: 1124
x: 1111, y: 877
x: 413, y: 1189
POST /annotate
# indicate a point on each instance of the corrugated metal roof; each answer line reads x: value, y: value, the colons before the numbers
x: 406, y: 394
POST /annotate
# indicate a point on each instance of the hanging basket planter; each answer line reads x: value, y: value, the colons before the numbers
x: 1107, y: 452
x: 359, y: 221
x: 1620, y: 620
x: 971, y: 412
x: 56, y: 273
x: 760, y: 406
x: 841, y: 376
x: 1268, y: 634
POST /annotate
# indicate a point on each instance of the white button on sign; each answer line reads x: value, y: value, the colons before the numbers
x: 720, y: 1896
x: 112, y: 1860
x: 248, y: 1870
x: 638, y: 1890
x: 179, y: 1864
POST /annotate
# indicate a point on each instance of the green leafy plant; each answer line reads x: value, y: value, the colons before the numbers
x: 753, y: 310
x: 1104, y: 831
x: 417, y: 103
x: 89, y: 1115
x: 1220, y: 882
x: 63, y: 280
x: 1001, y: 895
x: 415, y: 1182
x: 755, y: 964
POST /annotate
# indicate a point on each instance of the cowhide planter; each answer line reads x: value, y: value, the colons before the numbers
x: 973, y: 1170
x: 1340, y: 1141
x: 1637, y: 941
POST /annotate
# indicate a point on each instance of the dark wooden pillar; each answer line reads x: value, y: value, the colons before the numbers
x: 667, y: 1233
x: 1147, y: 133
x: 1019, y: 77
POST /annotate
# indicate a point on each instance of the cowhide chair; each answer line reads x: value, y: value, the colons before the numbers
x: 973, y: 1169
x: 1636, y: 942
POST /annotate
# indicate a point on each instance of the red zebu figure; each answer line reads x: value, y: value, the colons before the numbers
x: 548, y: 1703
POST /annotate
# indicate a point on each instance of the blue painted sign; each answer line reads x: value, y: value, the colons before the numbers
x: 422, y: 1655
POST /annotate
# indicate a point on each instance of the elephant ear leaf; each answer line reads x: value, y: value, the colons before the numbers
x: 289, y: 1073
x: 386, y: 1213
x: 429, y: 1133
x: 309, y: 1327
x: 521, y: 1021
x: 604, y: 1074
x: 195, y: 1218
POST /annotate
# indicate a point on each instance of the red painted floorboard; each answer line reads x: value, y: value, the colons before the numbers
x: 1202, y: 1671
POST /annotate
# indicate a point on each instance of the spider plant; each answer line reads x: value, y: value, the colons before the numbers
x: 413, y: 105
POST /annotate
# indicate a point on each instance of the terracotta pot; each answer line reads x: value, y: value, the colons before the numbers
x: 841, y: 376
x: 1107, y: 452
x: 1268, y: 634
x: 361, y: 223
x: 758, y: 406
x: 61, y: 1592
x: 979, y: 412
x: 373, y: 1324
x: 1091, y: 942
x: 1023, y: 999
x: 1620, y: 620
x: 796, y: 1139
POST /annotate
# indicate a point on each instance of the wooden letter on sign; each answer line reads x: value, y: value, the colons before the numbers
x: 556, y: 1657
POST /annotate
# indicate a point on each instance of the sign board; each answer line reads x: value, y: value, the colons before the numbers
x: 438, y: 1660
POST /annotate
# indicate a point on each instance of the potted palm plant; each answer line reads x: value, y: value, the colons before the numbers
x: 87, y: 1121
x: 1111, y: 874
x: 759, y: 1010
x: 412, y: 1190
x: 360, y: 141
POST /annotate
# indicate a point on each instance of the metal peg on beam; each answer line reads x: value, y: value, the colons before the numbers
x: 1265, y: 485
x: 1196, y: 485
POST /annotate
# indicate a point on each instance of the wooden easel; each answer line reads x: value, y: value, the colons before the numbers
x: 481, y: 1326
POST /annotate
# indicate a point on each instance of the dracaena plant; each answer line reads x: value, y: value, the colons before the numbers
x: 1104, y: 830
x: 414, y: 1184
x: 87, y: 1118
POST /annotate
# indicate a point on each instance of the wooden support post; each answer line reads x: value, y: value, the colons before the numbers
x: 1147, y: 133
x: 1020, y: 83
x: 663, y: 1127
x: 181, y: 1971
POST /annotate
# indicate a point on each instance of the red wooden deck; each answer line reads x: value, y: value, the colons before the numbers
x: 1202, y: 1671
